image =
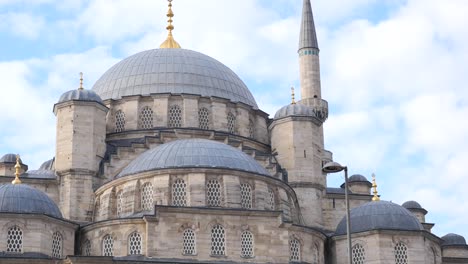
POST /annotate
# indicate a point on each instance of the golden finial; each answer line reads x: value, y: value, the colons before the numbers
x: 17, y: 171
x: 376, y: 197
x: 170, y: 43
x: 81, y: 81
x: 293, y: 99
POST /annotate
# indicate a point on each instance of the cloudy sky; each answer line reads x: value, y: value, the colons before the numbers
x: 393, y: 71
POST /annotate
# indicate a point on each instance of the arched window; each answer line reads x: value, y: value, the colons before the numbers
x: 251, y: 128
x: 401, y: 253
x: 179, y: 193
x: 218, y: 241
x: 434, y: 256
x: 120, y: 203
x: 247, y: 245
x: 134, y: 244
x: 213, y: 193
x: 175, y: 116
x: 315, y: 255
x: 359, y: 254
x: 203, y: 118
x: 189, y: 242
x: 15, y: 240
x: 86, y: 250
x: 146, y: 118
x: 246, y: 196
x: 119, y: 121
x: 57, y: 245
x: 231, y: 123
x: 147, y: 197
x: 107, y: 246
x: 271, y: 199
x: 294, y: 250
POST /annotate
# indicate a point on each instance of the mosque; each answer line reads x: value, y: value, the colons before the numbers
x: 169, y: 159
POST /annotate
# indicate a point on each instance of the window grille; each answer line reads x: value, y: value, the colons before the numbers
x: 120, y: 201
x: 203, y: 118
x: 231, y: 123
x: 401, y: 253
x: 213, y: 193
x: 218, y: 241
x: 134, y: 244
x: 146, y: 118
x: 251, y: 129
x: 15, y: 240
x: 119, y: 121
x: 247, y: 245
x: 359, y: 254
x: 294, y: 250
x: 57, y: 245
x: 147, y: 197
x: 189, y: 242
x: 246, y: 196
x: 107, y: 246
x: 179, y: 193
x: 87, y: 248
x: 175, y: 116
x: 271, y: 199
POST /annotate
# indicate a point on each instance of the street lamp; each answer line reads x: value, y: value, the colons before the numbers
x: 333, y: 167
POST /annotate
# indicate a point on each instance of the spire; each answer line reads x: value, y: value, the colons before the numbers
x: 376, y: 197
x: 81, y: 81
x: 17, y: 171
x: 170, y: 43
x: 308, y: 37
x: 293, y: 99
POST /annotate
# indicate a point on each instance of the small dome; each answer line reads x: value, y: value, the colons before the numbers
x: 453, y: 240
x: 193, y: 153
x: 80, y: 95
x: 357, y: 178
x: 48, y: 165
x: 294, y: 110
x: 412, y: 205
x: 175, y: 71
x: 9, y: 158
x: 21, y: 198
x: 380, y: 215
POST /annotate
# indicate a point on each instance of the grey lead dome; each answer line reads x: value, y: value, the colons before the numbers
x: 80, y: 95
x: 21, y: 198
x: 380, y: 215
x: 294, y: 110
x: 193, y: 153
x: 176, y: 71
x: 452, y: 239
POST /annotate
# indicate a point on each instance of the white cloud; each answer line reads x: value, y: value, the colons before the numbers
x: 22, y: 24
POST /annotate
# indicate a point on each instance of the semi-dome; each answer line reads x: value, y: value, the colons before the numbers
x: 9, y: 158
x: 193, y: 153
x: 380, y: 215
x: 453, y: 240
x: 80, y: 95
x: 411, y: 205
x: 21, y: 198
x: 175, y: 71
x: 294, y: 110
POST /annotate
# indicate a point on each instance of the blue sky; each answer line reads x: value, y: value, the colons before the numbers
x: 393, y: 71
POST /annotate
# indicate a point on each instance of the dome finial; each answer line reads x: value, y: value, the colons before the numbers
x: 376, y: 197
x: 81, y: 81
x: 293, y: 99
x: 170, y: 43
x: 17, y: 171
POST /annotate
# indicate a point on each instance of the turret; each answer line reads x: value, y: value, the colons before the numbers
x: 80, y: 147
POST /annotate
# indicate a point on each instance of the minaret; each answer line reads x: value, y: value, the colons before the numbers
x: 309, y: 63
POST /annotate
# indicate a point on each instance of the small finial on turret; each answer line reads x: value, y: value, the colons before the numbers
x: 293, y: 99
x: 376, y: 197
x: 17, y: 171
x: 81, y: 81
x: 170, y: 42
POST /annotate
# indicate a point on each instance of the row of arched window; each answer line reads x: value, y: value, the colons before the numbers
x: 15, y: 242
x: 400, y: 253
x: 175, y: 119
x: 179, y: 196
x: 189, y: 244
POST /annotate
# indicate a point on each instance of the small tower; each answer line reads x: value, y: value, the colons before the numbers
x: 80, y: 147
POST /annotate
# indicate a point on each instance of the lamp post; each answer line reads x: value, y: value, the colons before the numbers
x: 333, y: 167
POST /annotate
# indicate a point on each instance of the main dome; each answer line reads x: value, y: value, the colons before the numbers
x: 176, y: 71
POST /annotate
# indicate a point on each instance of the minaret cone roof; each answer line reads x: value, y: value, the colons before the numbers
x: 308, y: 37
